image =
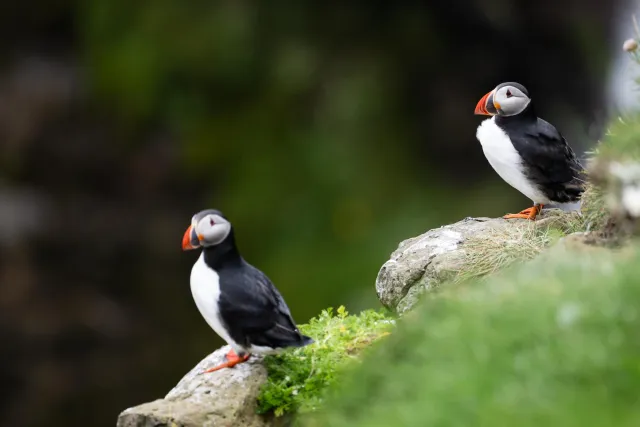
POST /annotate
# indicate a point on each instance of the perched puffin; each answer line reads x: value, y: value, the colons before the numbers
x: 528, y: 152
x: 236, y: 299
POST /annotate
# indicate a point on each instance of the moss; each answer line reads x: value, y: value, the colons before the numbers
x: 553, y: 341
x: 298, y: 378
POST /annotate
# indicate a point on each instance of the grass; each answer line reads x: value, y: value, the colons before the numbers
x: 594, y: 212
x: 551, y: 342
x: 488, y: 253
x: 298, y: 378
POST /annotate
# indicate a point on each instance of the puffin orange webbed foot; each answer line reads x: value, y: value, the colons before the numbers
x: 529, y: 213
x: 232, y: 360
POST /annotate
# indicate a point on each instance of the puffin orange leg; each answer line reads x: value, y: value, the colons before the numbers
x: 232, y: 360
x: 529, y: 213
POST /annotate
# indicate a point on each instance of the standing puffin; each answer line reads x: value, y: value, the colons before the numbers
x: 236, y: 299
x: 528, y: 152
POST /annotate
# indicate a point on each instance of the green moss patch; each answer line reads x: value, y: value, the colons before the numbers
x: 298, y: 378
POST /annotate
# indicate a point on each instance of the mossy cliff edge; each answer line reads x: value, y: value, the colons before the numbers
x: 488, y: 322
x: 549, y: 339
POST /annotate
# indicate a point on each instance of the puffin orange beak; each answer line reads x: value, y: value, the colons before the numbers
x: 190, y: 240
x: 486, y: 106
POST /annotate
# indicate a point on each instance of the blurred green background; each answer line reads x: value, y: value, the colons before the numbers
x: 327, y: 132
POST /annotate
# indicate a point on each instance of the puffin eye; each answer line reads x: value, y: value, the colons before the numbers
x: 211, y: 221
x: 509, y: 94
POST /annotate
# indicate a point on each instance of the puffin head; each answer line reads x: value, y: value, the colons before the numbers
x: 507, y: 99
x: 208, y: 228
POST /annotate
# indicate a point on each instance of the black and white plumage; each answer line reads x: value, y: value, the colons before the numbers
x: 528, y: 152
x: 237, y: 300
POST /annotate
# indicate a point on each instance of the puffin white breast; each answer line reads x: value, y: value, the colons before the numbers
x: 205, y: 288
x: 506, y: 160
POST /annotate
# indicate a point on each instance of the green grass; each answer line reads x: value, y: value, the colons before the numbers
x: 554, y: 342
x: 298, y: 378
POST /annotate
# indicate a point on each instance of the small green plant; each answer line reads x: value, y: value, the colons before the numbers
x: 298, y: 378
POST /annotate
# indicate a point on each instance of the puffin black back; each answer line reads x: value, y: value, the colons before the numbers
x: 548, y: 160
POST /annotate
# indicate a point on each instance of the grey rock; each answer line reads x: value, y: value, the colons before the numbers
x: 222, y: 398
x: 422, y: 263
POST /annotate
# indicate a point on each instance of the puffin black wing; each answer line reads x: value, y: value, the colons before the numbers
x: 548, y: 160
x: 254, y: 312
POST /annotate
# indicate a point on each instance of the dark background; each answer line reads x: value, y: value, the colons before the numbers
x: 326, y: 131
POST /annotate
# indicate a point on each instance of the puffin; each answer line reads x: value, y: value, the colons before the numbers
x: 237, y: 300
x: 528, y: 152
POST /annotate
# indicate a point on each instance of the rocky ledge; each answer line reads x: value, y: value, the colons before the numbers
x: 228, y: 397
x: 223, y: 398
x: 422, y: 263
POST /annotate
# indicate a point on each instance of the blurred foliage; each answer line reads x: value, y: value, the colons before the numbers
x: 622, y: 138
x: 298, y: 378
x: 303, y: 146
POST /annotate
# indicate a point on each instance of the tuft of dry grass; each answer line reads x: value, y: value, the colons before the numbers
x: 595, y: 214
x: 491, y: 252
x: 488, y: 253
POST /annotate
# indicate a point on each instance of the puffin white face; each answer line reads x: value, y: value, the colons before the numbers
x: 207, y: 228
x: 507, y: 99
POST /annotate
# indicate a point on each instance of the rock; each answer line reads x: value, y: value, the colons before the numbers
x: 223, y: 398
x: 422, y: 263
